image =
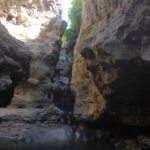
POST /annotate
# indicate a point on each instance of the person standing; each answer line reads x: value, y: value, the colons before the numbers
x: 62, y: 117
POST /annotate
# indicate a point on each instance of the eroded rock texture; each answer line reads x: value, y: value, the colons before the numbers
x: 14, y: 65
x: 38, y: 24
x: 61, y: 93
x: 110, y: 77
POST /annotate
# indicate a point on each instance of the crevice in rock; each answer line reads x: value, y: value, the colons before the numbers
x: 61, y: 93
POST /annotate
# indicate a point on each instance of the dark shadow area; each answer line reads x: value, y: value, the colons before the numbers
x: 130, y: 101
x: 131, y: 89
x: 14, y: 65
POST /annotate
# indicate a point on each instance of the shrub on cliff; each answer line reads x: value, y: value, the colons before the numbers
x: 75, y: 12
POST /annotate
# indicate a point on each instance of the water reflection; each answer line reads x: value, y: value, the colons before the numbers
x: 63, y: 137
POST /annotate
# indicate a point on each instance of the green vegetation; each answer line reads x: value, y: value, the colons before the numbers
x: 75, y: 12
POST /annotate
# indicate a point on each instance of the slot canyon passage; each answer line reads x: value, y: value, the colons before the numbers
x: 103, y: 80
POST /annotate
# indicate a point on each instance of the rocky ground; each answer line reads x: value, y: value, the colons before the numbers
x: 49, y: 114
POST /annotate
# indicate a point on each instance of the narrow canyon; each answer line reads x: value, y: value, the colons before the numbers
x: 102, y: 81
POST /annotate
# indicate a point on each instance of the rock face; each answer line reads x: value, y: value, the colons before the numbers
x: 61, y: 93
x: 14, y: 65
x: 110, y: 77
x: 38, y: 24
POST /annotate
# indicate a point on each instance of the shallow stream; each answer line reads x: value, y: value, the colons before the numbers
x: 60, y: 137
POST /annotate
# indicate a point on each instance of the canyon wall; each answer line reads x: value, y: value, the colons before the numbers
x: 111, y: 68
x: 14, y: 65
x: 38, y: 24
x: 61, y: 93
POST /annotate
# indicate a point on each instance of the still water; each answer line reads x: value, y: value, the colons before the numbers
x: 61, y: 137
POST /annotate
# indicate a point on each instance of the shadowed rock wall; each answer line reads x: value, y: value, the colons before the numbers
x: 14, y: 65
x: 61, y: 92
x: 110, y: 77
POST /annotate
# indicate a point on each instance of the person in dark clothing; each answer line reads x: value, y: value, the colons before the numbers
x: 69, y: 117
x: 62, y: 116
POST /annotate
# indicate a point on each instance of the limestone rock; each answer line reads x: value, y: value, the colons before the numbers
x: 110, y: 77
x: 36, y: 91
x: 14, y: 65
x: 38, y: 24
x: 61, y: 93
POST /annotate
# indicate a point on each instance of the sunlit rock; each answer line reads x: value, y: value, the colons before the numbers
x: 38, y: 24
x: 110, y: 77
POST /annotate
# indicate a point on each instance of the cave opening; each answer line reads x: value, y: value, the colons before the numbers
x: 132, y: 86
x: 8, y: 83
x: 6, y: 96
x: 131, y: 95
x: 5, y: 100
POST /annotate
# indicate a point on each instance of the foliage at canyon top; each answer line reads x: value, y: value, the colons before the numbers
x: 74, y: 15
